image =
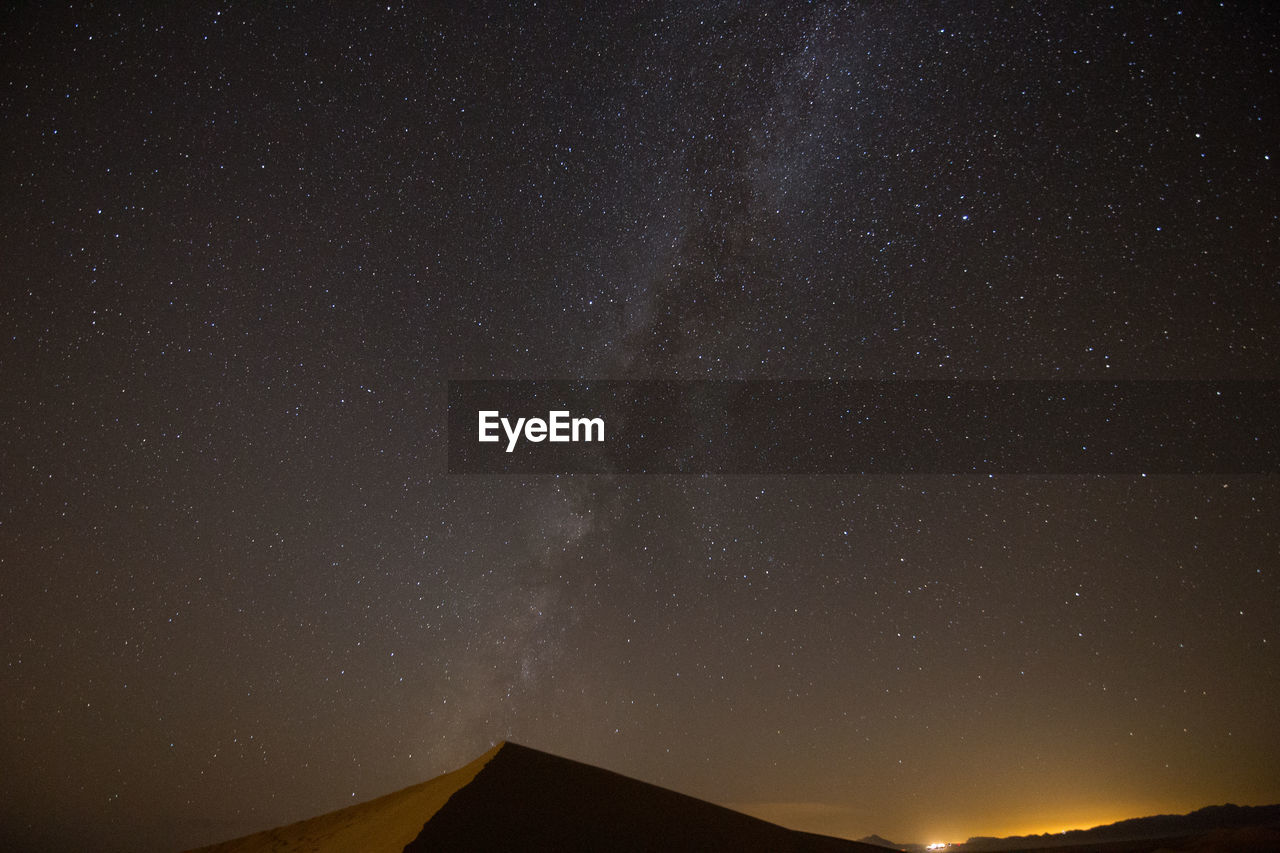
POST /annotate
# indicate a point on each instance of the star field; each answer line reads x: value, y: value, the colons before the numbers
x: 244, y: 248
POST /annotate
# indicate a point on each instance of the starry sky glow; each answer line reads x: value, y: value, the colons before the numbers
x: 244, y: 248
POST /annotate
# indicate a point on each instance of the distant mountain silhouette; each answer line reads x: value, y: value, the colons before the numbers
x: 1218, y: 826
x: 884, y: 842
x: 514, y: 798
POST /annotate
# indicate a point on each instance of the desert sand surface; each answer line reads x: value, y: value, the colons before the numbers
x: 516, y: 798
x: 387, y: 823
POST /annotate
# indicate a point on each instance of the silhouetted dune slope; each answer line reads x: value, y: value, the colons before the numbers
x: 523, y: 799
x: 514, y: 798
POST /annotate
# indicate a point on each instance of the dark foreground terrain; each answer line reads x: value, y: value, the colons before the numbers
x: 516, y: 798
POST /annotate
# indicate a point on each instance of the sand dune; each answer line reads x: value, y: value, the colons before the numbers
x: 388, y: 823
x: 516, y: 798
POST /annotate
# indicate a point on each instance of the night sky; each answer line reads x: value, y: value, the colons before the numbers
x: 244, y: 249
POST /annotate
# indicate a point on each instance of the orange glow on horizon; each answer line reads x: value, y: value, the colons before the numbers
x: 847, y: 822
x: 1063, y: 821
x: 832, y: 819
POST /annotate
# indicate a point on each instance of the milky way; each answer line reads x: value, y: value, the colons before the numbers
x: 244, y: 249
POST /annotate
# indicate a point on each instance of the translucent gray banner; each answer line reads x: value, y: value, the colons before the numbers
x: 863, y: 427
